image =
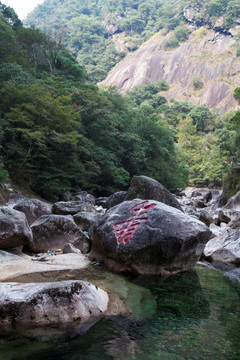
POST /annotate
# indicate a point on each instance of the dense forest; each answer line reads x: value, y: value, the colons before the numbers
x: 100, y: 33
x: 59, y: 131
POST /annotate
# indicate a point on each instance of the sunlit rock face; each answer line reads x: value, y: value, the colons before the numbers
x: 207, y: 55
x: 148, y: 237
x: 35, y: 305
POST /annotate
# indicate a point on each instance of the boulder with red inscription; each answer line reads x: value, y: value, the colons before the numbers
x: 148, y: 237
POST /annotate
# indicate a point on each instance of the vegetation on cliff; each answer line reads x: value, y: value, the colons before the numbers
x: 100, y: 33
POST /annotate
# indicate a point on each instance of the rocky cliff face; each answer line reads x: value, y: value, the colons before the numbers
x: 203, y: 70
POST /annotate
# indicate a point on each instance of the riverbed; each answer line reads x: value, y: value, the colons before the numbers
x: 192, y: 315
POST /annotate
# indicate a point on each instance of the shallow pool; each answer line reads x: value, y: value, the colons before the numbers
x: 193, y: 315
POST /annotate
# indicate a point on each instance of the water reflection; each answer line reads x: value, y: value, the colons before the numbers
x: 195, y: 315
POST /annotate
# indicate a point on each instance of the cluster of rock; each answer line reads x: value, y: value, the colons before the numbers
x: 146, y: 230
x: 39, y: 227
x: 222, y: 216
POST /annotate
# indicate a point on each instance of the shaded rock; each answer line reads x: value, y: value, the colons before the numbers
x: 205, y: 217
x: 225, y: 247
x: 231, y: 210
x: 86, y: 219
x: 70, y: 249
x: 235, y: 224
x: 67, y: 196
x: 199, y: 203
x: 33, y: 208
x: 222, y: 217
x: 14, y: 228
x: 116, y: 199
x: 53, y: 231
x: 24, y: 306
x: 101, y: 201
x: 85, y: 197
x: 143, y: 187
x: 221, y: 201
x: 148, y: 237
x: 206, y: 194
x: 191, y: 210
x: 233, y: 203
x: 72, y: 207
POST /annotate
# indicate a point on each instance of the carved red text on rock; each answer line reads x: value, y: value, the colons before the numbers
x: 125, y: 230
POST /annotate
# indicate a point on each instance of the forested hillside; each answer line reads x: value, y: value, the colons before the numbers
x: 100, y: 33
x: 60, y: 132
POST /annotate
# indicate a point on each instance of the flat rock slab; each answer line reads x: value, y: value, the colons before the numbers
x: 148, y: 237
x: 12, y: 265
x: 46, y: 304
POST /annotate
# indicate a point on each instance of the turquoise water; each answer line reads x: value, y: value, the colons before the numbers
x: 193, y: 315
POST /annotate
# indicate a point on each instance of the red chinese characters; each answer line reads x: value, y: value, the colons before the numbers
x: 125, y: 230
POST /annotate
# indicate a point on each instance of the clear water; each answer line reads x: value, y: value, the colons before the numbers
x: 193, y: 315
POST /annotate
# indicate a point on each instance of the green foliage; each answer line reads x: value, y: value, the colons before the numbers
x: 171, y: 43
x: 237, y: 94
x: 162, y: 85
x: 197, y: 82
x: 58, y: 132
x: 181, y: 33
x: 89, y: 27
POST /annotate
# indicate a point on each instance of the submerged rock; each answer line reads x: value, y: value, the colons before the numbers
x: 143, y: 187
x: 24, y: 306
x: 14, y: 229
x: 148, y: 237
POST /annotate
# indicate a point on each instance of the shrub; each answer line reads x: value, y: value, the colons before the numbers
x: 171, y: 43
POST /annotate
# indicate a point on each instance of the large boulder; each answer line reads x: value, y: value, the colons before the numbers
x: 14, y: 228
x: 62, y: 303
x: 225, y: 247
x: 233, y: 203
x: 86, y: 219
x: 148, y: 237
x: 51, y: 232
x: 33, y: 208
x: 231, y: 210
x: 72, y: 207
x: 116, y: 199
x: 143, y: 187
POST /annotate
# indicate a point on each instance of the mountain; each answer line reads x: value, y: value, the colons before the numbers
x: 203, y: 70
x: 192, y: 44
